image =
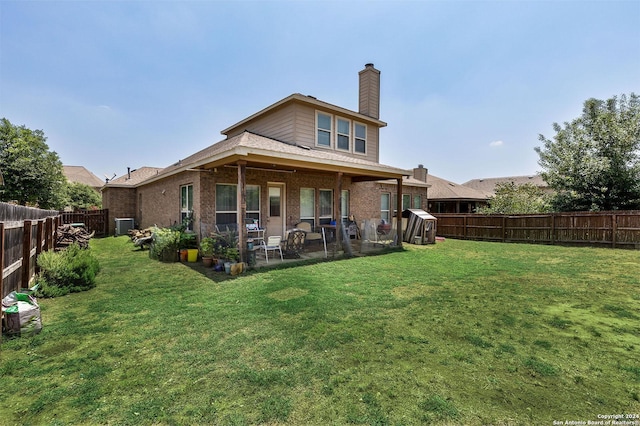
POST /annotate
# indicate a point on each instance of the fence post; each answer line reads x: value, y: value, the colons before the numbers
x: 504, y: 227
x: 39, y: 237
x: 26, y: 252
x: 464, y: 229
x: 47, y: 234
x: 553, y: 229
x: 1, y: 269
x: 614, y: 230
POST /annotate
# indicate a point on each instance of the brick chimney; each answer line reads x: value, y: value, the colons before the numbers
x: 369, y: 91
x: 420, y: 173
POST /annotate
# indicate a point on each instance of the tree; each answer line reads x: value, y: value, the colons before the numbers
x: 517, y: 199
x: 32, y: 174
x: 593, y: 163
x: 82, y: 196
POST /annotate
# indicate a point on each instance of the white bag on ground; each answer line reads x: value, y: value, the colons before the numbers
x: 21, y: 314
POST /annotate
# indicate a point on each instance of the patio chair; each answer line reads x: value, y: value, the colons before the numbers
x: 310, y: 236
x: 294, y: 243
x: 272, y: 244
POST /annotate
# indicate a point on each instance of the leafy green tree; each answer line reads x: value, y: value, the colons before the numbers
x: 517, y: 199
x: 82, y: 196
x: 32, y: 174
x: 593, y: 163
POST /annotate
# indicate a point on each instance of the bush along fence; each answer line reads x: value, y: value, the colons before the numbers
x: 96, y: 221
x: 617, y: 229
x: 25, y: 232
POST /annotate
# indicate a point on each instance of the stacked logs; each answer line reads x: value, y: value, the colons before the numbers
x: 141, y: 238
x: 67, y: 235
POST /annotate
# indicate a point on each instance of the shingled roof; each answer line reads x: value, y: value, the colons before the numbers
x: 79, y: 174
x: 135, y: 177
x: 253, y: 147
x: 488, y: 185
x: 442, y: 189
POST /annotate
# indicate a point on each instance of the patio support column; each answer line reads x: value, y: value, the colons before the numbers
x: 242, y: 209
x: 399, y: 210
x: 337, y: 208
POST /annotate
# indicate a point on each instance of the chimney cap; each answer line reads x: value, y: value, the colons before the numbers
x: 368, y: 65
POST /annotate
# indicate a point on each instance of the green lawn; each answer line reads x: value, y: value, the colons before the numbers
x: 456, y: 333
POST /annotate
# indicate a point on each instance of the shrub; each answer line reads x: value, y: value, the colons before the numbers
x: 165, y: 244
x: 68, y: 271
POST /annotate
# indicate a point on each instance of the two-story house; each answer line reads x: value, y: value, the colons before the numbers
x: 299, y: 159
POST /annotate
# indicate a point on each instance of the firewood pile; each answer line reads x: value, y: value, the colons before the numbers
x: 67, y: 235
x: 141, y: 238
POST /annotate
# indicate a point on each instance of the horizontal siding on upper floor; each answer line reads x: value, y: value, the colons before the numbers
x: 278, y: 125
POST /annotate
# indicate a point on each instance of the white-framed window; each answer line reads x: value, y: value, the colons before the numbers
x: 343, y: 134
x: 417, y: 202
x: 324, y: 129
x: 360, y: 138
x: 385, y: 204
x: 186, y: 204
x: 344, y: 205
x: 227, y: 203
x: 308, y: 206
x: 326, y: 206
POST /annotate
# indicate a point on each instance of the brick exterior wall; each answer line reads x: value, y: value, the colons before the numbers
x: 158, y: 203
x: 121, y: 203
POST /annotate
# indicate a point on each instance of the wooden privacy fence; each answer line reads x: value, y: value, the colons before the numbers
x: 24, y: 233
x: 94, y: 220
x: 619, y: 229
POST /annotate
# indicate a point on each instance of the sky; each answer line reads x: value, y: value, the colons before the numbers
x: 466, y: 86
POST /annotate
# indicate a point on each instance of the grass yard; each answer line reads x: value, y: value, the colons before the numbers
x: 460, y: 332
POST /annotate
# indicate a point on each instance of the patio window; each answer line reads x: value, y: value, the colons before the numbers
x: 344, y: 205
x: 307, y: 206
x: 324, y: 129
x: 343, y: 137
x: 326, y: 206
x: 227, y: 203
x: 385, y: 202
x: 417, y: 202
x: 360, y: 138
x: 406, y: 201
x: 186, y: 204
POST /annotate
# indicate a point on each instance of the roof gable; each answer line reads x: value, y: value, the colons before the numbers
x: 307, y: 100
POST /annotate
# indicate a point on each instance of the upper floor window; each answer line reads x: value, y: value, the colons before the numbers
x: 343, y: 134
x: 360, y: 138
x: 324, y: 129
x: 340, y: 133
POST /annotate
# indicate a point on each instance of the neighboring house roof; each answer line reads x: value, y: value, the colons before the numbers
x: 309, y: 100
x: 134, y: 177
x: 79, y: 174
x: 488, y: 185
x: 264, y: 152
x: 442, y: 189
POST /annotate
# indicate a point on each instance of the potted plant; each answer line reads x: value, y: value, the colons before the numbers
x: 207, y: 250
x: 232, y: 255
